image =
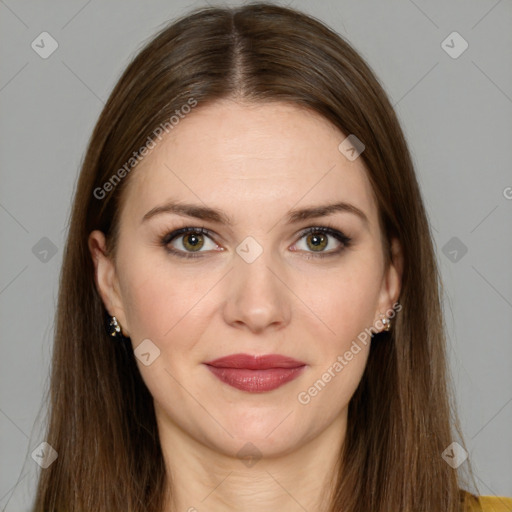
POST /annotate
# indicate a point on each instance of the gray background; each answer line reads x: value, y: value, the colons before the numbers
x: 456, y: 114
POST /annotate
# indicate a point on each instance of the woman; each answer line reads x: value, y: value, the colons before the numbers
x: 248, y: 220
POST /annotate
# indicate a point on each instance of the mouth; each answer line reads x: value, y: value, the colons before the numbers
x: 256, y: 374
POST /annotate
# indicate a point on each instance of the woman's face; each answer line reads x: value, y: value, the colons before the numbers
x: 257, y: 285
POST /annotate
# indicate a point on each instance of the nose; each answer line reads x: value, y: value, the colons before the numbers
x: 257, y: 296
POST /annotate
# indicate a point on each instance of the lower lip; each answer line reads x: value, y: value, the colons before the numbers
x: 256, y: 381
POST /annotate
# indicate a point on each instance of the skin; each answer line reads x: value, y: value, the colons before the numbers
x: 255, y: 162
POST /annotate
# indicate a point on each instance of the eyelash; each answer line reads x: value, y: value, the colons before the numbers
x: 166, y: 239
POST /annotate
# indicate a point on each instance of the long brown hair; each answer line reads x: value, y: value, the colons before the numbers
x: 101, y: 415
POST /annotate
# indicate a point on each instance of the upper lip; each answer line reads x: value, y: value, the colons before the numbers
x: 255, y: 362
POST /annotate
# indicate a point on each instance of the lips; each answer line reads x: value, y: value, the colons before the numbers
x: 255, y: 362
x: 256, y: 374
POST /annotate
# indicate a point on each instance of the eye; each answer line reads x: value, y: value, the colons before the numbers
x: 317, y: 241
x: 187, y: 242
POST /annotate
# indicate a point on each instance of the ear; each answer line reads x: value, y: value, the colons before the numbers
x: 392, y: 281
x: 106, y: 280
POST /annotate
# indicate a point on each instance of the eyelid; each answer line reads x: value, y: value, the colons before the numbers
x: 172, y: 235
x: 325, y: 228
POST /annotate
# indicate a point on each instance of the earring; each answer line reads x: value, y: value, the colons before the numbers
x: 386, y: 322
x: 114, y: 328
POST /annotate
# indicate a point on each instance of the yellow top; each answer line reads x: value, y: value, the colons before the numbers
x: 490, y: 504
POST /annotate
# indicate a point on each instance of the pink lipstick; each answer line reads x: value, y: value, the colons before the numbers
x: 255, y: 374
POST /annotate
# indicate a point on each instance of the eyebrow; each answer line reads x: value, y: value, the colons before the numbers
x: 218, y: 216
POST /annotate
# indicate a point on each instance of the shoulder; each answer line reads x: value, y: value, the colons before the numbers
x: 489, y: 504
x: 496, y: 504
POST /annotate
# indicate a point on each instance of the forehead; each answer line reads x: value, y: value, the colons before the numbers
x: 248, y: 158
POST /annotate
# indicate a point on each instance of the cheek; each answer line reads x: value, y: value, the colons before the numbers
x: 349, y: 303
x: 162, y: 297
x: 344, y: 300
x: 161, y: 302
x: 347, y: 306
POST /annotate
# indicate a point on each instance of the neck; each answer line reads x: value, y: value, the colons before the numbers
x: 206, y: 478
